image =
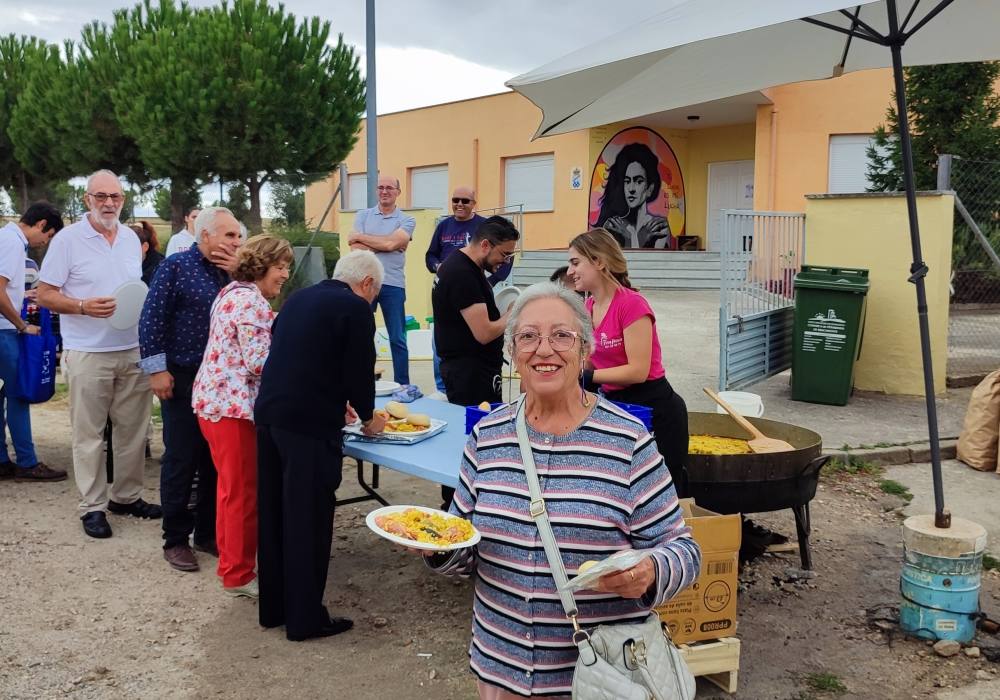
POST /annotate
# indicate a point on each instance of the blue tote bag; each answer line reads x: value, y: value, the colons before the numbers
x: 36, y: 363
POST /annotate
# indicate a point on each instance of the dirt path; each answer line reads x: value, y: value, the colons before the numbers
x: 83, y: 618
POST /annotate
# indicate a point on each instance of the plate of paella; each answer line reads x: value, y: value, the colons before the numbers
x: 418, y: 527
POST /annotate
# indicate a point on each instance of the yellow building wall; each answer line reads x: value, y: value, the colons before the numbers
x: 793, y: 134
x: 872, y: 232
x: 418, y: 279
x: 473, y: 138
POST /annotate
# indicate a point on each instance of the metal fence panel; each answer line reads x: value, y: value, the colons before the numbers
x: 761, y: 254
x: 974, y: 314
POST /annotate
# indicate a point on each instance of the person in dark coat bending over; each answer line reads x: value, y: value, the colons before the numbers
x: 302, y: 407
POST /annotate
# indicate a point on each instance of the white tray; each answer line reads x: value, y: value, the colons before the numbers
x: 353, y: 432
x: 413, y: 544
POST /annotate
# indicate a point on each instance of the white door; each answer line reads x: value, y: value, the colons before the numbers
x: 730, y: 186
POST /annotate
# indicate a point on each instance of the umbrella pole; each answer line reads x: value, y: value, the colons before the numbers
x: 918, y: 270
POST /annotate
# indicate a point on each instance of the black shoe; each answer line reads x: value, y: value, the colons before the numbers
x: 95, y: 524
x: 209, y: 548
x: 7, y: 470
x: 336, y: 625
x: 139, y: 509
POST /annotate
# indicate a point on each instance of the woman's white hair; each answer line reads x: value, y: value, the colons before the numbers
x: 206, y: 220
x: 550, y: 290
x: 358, y: 264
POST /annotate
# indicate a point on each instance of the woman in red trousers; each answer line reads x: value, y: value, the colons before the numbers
x: 223, y: 396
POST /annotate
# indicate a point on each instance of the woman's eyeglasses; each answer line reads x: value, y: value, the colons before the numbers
x: 528, y: 341
x: 461, y: 200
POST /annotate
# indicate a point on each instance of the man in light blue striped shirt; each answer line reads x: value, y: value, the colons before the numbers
x: 387, y: 231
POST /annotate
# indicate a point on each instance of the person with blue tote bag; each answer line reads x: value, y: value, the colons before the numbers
x: 27, y: 351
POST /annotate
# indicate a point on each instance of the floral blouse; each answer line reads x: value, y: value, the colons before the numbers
x: 239, y: 339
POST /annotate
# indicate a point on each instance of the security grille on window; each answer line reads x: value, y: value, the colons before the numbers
x: 849, y: 163
x: 429, y: 188
x: 357, y: 191
x: 529, y: 181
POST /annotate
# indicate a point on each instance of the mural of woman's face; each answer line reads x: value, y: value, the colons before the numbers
x: 636, y: 185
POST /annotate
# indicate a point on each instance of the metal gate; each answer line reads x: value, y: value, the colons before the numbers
x: 760, y: 255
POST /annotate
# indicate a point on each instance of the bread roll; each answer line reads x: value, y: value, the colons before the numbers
x: 396, y: 409
x: 585, y: 566
x: 420, y: 420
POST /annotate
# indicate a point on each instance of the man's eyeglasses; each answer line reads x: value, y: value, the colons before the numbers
x: 102, y: 197
x: 461, y: 200
x: 507, y: 257
x: 528, y: 341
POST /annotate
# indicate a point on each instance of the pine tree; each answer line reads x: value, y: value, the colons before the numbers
x: 953, y: 110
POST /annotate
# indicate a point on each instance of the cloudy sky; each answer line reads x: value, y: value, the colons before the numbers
x: 429, y: 51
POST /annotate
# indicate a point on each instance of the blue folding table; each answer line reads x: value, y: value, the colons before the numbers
x: 436, y: 459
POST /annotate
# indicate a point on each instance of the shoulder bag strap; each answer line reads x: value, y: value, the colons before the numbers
x: 541, y: 518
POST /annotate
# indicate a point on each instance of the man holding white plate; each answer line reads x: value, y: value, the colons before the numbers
x: 173, y: 333
x: 83, y: 267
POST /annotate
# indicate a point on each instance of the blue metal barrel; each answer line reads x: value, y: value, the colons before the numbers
x: 940, y: 595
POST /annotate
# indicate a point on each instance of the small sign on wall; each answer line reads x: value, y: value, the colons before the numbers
x: 576, y: 178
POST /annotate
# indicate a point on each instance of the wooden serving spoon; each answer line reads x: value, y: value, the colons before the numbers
x: 761, y: 444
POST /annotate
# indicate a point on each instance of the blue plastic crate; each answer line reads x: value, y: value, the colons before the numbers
x: 643, y: 413
x: 473, y: 414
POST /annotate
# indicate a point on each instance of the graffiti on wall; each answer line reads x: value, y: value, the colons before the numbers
x: 636, y: 190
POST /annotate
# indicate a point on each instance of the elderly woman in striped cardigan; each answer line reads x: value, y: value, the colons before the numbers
x: 606, y: 490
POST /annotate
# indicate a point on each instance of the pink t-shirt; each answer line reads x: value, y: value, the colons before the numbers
x: 627, y: 306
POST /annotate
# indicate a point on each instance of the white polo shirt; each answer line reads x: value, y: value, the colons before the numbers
x: 13, y: 250
x: 81, y: 263
x: 179, y: 242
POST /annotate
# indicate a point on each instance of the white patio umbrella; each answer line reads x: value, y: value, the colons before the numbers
x: 702, y: 50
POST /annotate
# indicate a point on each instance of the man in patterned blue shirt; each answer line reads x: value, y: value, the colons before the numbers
x: 173, y: 332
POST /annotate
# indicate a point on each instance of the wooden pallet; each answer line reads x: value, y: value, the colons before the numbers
x: 717, y: 661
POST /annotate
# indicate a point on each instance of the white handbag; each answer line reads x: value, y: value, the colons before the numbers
x: 625, y: 661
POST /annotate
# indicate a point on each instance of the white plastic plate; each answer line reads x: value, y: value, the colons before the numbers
x: 505, y: 297
x: 129, y: 298
x: 619, y: 561
x: 389, y: 510
x: 384, y: 388
x: 355, y: 428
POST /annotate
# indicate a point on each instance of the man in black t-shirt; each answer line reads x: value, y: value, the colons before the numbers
x: 468, y: 327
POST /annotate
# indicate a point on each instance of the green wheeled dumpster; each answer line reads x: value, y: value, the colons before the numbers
x: 829, y: 321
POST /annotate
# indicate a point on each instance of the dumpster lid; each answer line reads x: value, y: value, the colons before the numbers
x: 846, y: 279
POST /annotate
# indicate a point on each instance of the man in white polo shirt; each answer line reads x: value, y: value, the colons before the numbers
x: 84, y: 266
x: 38, y: 224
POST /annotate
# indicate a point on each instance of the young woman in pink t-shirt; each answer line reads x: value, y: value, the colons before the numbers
x: 626, y: 360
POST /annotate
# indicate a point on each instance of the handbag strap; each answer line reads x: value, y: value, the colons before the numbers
x: 541, y: 517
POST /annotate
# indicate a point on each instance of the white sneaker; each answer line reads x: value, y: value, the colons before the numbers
x: 247, y: 590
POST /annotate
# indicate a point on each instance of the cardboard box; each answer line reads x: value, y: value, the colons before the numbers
x: 707, y: 610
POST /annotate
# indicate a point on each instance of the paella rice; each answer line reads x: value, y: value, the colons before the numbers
x: 429, y: 528
x: 717, y: 445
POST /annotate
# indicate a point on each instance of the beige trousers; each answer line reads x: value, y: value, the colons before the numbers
x: 103, y: 384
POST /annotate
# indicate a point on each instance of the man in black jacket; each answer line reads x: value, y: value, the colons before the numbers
x: 321, y: 366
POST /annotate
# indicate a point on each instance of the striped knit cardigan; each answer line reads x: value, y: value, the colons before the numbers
x: 606, y: 489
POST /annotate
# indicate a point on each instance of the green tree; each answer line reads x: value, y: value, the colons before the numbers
x: 237, y: 201
x: 241, y: 90
x: 953, y: 109
x: 162, y: 199
x: 18, y: 56
x: 288, y: 202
